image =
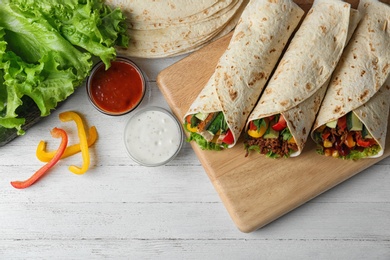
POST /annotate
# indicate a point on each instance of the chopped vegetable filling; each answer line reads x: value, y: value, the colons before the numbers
x: 270, y: 136
x: 210, y: 131
x: 346, y: 137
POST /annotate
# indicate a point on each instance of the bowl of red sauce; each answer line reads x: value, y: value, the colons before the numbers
x: 117, y: 90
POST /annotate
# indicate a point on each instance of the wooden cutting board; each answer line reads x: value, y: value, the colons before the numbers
x: 255, y: 190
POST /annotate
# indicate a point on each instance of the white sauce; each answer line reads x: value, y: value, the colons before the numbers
x: 152, y: 137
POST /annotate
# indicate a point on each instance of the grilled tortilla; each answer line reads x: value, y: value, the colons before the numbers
x: 280, y: 123
x: 242, y: 72
x: 359, y: 91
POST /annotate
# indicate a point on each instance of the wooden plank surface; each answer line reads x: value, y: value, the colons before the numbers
x: 120, y: 210
x: 255, y: 190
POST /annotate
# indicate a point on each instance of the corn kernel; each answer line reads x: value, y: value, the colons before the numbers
x: 327, y: 143
x: 328, y: 152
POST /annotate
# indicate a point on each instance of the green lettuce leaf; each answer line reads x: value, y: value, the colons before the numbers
x: 33, y: 37
x: 46, y: 50
x: 368, y: 151
x: 203, y: 144
x: 355, y: 154
x: 90, y: 25
x: 286, y: 134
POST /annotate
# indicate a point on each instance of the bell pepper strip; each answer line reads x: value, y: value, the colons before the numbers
x: 342, y: 123
x: 257, y: 128
x: 68, y: 116
x: 292, y: 140
x: 228, y: 139
x: 190, y: 128
x: 57, y: 133
x: 45, y: 156
x: 325, y: 135
x: 281, y: 124
x: 349, y: 140
x: 188, y: 119
x: 364, y: 142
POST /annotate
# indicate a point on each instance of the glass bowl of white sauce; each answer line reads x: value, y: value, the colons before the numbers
x: 153, y: 136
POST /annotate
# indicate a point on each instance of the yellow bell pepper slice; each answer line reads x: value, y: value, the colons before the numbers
x: 216, y: 136
x: 292, y: 140
x: 68, y: 116
x: 46, y: 156
x: 257, y: 133
x: 349, y: 140
x: 192, y: 129
x: 254, y: 133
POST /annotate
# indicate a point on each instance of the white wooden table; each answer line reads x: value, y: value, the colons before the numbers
x: 120, y: 210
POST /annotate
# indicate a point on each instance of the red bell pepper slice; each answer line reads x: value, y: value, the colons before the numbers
x: 270, y: 118
x: 325, y: 135
x: 57, y: 133
x: 188, y: 119
x: 342, y: 122
x: 280, y: 125
x: 228, y: 139
x: 364, y: 142
x: 252, y: 126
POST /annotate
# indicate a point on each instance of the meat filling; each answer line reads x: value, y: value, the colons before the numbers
x: 277, y: 146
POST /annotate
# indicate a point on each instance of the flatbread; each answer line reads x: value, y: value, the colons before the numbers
x: 244, y: 68
x: 154, y: 14
x: 299, y: 83
x: 361, y: 72
x: 159, y: 28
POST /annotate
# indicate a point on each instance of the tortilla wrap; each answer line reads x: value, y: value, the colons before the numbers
x: 169, y: 28
x: 244, y: 68
x: 361, y: 73
x: 298, y: 85
x: 155, y: 14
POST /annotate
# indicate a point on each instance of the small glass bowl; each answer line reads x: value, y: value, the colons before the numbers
x: 118, y: 90
x: 153, y: 136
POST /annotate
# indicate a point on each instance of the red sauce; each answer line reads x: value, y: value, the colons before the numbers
x: 118, y: 89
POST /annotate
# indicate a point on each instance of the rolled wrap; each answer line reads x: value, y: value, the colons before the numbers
x: 244, y: 68
x: 299, y: 83
x: 359, y: 82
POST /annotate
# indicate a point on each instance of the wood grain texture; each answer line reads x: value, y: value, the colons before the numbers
x: 120, y: 210
x: 255, y: 190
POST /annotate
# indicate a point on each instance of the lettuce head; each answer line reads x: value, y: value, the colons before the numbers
x: 46, y: 51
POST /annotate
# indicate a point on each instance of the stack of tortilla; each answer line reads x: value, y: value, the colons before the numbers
x: 164, y: 28
x: 359, y: 82
x: 299, y: 83
x: 244, y: 68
